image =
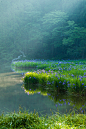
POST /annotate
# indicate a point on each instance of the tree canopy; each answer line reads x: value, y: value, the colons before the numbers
x: 43, y: 29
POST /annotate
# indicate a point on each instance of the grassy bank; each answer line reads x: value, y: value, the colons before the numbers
x: 62, y: 76
x: 33, y: 121
x: 54, y: 80
x: 50, y: 64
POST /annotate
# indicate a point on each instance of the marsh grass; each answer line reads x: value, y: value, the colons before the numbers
x: 25, y: 120
x: 55, y: 81
x: 54, y: 77
x: 31, y: 64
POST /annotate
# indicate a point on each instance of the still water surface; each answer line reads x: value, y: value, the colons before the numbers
x: 12, y: 96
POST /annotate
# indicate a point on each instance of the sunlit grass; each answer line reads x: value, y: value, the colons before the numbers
x: 31, y: 64
x: 55, y: 81
x: 58, y: 75
x: 66, y: 67
x: 52, y: 78
x: 33, y: 121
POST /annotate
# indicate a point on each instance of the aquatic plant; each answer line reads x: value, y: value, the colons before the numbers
x: 55, y: 81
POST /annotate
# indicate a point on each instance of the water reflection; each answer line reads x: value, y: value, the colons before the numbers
x: 62, y: 100
x: 12, y: 96
x: 76, y: 102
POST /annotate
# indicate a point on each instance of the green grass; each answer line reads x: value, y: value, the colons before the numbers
x: 57, y: 82
x: 53, y: 78
x: 31, y: 64
x: 23, y: 120
x: 49, y: 65
x: 63, y: 76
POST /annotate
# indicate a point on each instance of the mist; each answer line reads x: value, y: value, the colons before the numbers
x: 41, y: 29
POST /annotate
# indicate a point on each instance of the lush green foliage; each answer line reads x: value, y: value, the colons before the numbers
x: 56, y: 81
x: 60, y: 76
x: 43, y: 30
x: 20, y: 120
x: 33, y: 121
x: 62, y: 81
x: 31, y: 64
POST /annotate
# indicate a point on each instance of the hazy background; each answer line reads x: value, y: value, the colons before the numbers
x: 42, y: 29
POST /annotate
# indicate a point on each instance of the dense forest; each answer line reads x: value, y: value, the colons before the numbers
x: 42, y: 29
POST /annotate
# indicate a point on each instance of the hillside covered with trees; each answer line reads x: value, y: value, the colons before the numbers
x: 47, y: 29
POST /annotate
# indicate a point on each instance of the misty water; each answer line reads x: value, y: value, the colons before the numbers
x: 12, y: 96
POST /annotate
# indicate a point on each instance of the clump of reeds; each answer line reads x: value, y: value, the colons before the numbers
x: 55, y: 81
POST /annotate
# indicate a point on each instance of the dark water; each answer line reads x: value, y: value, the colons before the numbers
x: 12, y: 96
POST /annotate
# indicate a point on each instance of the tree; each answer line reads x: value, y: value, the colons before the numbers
x: 52, y: 29
x: 74, y: 40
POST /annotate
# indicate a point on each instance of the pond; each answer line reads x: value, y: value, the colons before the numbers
x: 12, y: 96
